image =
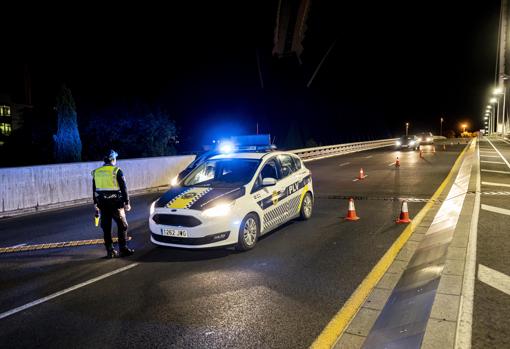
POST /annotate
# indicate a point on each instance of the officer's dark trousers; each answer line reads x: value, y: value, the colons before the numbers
x: 109, y: 211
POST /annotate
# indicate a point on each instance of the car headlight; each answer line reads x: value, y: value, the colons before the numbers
x: 153, y: 205
x: 218, y: 210
x: 174, y: 181
x: 412, y: 143
x: 398, y: 143
x: 429, y: 139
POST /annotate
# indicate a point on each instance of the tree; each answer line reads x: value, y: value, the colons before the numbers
x: 67, y: 142
x: 133, y: 131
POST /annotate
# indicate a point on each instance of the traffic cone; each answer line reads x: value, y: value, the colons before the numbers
x: 397, y: 163
x: 404, y: 214
x: 351, y: 212
x: 361, y: 174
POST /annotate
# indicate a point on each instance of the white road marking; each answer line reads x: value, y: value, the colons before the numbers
x: 499, y: 153
x: 67, y: 290
x: 344, y: 164
x: 493, y: 162
x: 392, y: 164
x: 504, y: 140
x: 494, y: 171
x: 465, y: 319
x: 496, y: 184
x: 490, y: 156
x: 496, y: 209
x: 494, y: 278
x: 357, y: 179
x: 368, y: 157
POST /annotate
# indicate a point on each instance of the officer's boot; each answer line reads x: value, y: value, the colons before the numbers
x: 125, y: 251
x: 110, y: 251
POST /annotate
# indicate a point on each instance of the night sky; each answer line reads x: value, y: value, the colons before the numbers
x: 391, y: 63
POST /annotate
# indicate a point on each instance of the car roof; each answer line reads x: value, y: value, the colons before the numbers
x: 247, y: 155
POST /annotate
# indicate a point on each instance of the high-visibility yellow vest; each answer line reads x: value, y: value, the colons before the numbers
x: 105, y: 178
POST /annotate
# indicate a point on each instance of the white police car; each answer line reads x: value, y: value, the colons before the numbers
x: 233, y: 199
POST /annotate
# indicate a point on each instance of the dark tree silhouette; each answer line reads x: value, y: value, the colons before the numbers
x: 67, y: 143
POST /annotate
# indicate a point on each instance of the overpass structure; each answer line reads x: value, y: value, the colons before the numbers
x: 440, y: 281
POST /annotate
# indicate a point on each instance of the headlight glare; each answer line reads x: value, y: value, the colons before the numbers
x: 219, y: 210
x: 398, y: 143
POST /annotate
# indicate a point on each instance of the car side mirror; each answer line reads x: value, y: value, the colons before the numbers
x: 268, y: 182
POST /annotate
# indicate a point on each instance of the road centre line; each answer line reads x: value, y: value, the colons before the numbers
x: 496, y: 184
x: 494, y: 278
x: 494, y: 171
x: 344, y: 164
x: 337, y: 325
x: 496, y: 209
x: 67, y: 290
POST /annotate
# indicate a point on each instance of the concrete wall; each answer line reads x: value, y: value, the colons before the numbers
x: 33, y: 188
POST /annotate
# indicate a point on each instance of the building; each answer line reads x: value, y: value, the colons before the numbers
x: 11, y: 117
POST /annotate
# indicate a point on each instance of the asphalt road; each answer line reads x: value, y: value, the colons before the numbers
x: 279, y: 295
x: 492, y: 306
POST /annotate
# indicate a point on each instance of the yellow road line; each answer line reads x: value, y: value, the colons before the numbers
x: 337, y: 325
x: 52, y: 245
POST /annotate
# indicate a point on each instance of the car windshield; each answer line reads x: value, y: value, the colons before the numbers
x: 222, y: 173
x: 407, y: 138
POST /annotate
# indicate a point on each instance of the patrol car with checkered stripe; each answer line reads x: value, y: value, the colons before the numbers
x: 232, y: 199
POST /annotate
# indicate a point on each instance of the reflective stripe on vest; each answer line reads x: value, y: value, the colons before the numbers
x: 105, y: 178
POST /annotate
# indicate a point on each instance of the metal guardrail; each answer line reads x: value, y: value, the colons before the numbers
x: 340, y: 149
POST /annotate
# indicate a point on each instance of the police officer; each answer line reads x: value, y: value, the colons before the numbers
x: 112, y: 200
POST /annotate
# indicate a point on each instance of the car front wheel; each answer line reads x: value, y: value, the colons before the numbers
x: 248, y: 232
x: 306, y: 207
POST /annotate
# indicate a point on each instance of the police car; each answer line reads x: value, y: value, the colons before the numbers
x: 233, y: 198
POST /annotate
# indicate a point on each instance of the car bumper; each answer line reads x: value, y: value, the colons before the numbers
x: 212, y: 232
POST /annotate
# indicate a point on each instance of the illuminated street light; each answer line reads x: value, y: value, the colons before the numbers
x: 493, y: 100
x: 464, y: 127
x: 498, y: 91
x: 407, y: 128
x: 485, y: 117
x: 489, y: 106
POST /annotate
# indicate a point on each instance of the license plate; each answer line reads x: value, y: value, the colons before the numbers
x: 175, y: 233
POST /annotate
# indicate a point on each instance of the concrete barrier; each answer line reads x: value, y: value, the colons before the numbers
x: 28, y: 189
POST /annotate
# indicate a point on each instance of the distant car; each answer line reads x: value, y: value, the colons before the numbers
x: 408, y: 142
x: 426, y: 138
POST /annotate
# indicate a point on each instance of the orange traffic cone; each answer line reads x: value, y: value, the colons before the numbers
x: 361, y: 174
x: 397, y: 163
x: 404, y: 214
x: 351, y: 212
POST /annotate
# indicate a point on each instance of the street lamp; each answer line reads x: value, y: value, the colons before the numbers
x: 407, y: 128
x: 441, y: 127
x: 464, y: 127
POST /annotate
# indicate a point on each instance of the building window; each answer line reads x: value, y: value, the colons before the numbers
x: 5, y: 129
x: 5, y: 110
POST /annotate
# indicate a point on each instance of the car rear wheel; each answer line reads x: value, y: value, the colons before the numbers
x: 306, y: 207
x: 248, y: 232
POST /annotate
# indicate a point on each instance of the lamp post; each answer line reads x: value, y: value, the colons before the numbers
x: 464, y: 128
x: 407, y: 128
x: 441, y: 127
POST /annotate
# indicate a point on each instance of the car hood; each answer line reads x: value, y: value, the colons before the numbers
x: 198, y: 198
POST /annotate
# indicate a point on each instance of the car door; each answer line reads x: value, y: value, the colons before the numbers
x: 269, y: 198
x: 294, y: 181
